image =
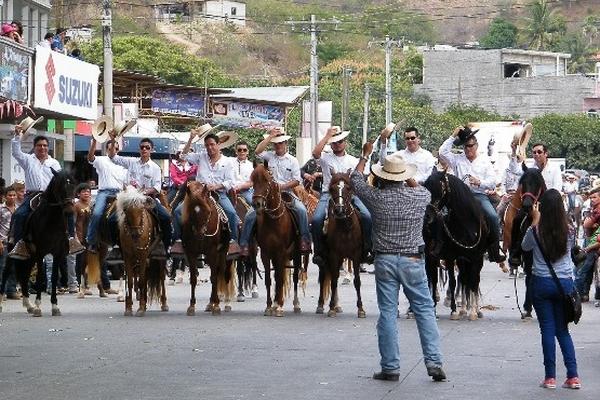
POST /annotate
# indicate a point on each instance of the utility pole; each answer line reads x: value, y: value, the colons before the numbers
x: 388, y: 44
x: 313, y: 25
x: 346, y: 72
x: 108, y: 58
x: 365, y: 133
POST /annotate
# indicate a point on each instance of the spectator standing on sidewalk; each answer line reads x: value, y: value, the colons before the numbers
x: 6, y: 267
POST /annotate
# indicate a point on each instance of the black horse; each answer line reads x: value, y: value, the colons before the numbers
x: 530, y: 189
x: 455, y: 230
x: 46, y: 233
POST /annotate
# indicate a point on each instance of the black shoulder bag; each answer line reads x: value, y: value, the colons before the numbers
x: 571, y: 301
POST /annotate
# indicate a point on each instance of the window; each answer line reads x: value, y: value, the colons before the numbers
x: 233, y: 11
x: 514, y: 70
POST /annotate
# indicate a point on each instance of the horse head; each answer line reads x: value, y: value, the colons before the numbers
x: 439, y: 186
x: 532, y: 186
x: 198, y: 195
x: 264, y: 187
x: 60, y: 191
x: 340, y: 190
x: 132, y: 205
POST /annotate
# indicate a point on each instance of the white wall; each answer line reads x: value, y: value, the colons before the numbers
x: 223, y: 8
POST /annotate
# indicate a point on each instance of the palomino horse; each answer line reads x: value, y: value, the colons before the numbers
x: 343, y: 241
x: 203, y: 232
x: 461, y: 237
x: 517, y: 220
x: 277, y: 238
x: 137, y: 235
x: 46, y: 233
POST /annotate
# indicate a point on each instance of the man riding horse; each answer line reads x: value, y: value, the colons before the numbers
x: 336, y: 162
x: 286, y: 172
x: 38, y: 169
x: 477, y: 172
x: 242, y: 169
x: 215, y: 171
x: 145, y: 175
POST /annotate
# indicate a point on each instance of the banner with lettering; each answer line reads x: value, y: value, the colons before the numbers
x: 247, y: 115
x: 65, y: 84
x: 182, y: 102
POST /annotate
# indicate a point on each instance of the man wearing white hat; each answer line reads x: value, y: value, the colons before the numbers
x: 337, y: 161
x: 38, y: 174
x: 397, y: 204
x: 286, y: 172
x: 214, y: 170
x: 413, y: 153
x: 145, y: 175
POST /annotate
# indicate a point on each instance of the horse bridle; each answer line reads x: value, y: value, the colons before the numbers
x: 129, y: 228
x: 436, y: 207
x: 342, y: 202
x: 266, y: 196
x: 532, y: 196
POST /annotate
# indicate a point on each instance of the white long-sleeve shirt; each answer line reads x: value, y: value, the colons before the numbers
x: 480, y: 168
x: 423, y: 159
x: 38, y: 174
x: 219, y: 173
x: 284, y: 168
x: 142, y: 175
x: 110, y: 175
x: 329, y: 161
x: 551, y: 173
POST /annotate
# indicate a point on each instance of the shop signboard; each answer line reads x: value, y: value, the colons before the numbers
x: 247, y: 115
x: 65, y: 85
x: 181, y: 102
x: 14, y: 73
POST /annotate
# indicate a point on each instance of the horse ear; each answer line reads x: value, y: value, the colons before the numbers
x: 523, y: 166
x: 331, y: 171
x: 54, y: 172
x: 266, y: 164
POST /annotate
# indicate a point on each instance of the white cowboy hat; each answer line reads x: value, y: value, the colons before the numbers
x: 281, y: 137
x: 339, y: 135
x: 202, y: 131
x: 101, y: 127
x: 123, y: 126
x: 227, y: 138
x: 521, y: 139
x: 27, y: 123
x: 394, y: 168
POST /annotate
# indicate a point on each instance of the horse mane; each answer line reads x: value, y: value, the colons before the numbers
x: 535, y: 175
x: 130, y: 197
x: 261, y: 172
x: 460, y: 199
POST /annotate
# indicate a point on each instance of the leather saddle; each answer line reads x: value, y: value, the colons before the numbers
x: 288, y: 200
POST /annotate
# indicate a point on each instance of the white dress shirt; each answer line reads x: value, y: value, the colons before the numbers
x: 552, y: 176
x: 141, y: 175
x: 219, y: 173
x: 329, y: 161
x: 37, y: 174
x: 242, y: 169
x: 513, y: 173
x: 110, y: 175
x: 423, y: 159
x: 479, y: 168
x: 284, y: 168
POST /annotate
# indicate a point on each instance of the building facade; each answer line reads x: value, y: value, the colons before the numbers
x: 214, y: 11
x: 33, y: 14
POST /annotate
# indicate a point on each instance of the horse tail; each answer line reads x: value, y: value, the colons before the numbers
x: 326, y: 284
x: 304, y: 274
x: 92, y: 267
x: 226, y: 280
x: 155, y: 276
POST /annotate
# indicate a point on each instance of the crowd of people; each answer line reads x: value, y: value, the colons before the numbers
x: 391, y: 212
x: 56, y: 41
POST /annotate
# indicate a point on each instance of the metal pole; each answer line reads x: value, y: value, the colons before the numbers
x: 365, y: 133
x: 108, y: 59
x: 388, y: 80
x: 314, y: 90
x: 345, y: 97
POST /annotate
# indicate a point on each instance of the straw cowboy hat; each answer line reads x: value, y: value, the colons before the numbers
x: 394, y: 168
x: 464, y: 135
x: 202, y: 131
x: 338, y: 135
x: 281, y: 137
x: 101, y: 127
x: 227, y: 138
x: 521, y: 139
x: 123, y: 126
x: 28, y: 123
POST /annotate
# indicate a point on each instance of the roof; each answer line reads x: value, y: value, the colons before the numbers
x: 536, y: 53
x: 287, y: 95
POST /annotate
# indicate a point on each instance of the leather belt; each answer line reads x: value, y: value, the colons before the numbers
x: 402, y: 254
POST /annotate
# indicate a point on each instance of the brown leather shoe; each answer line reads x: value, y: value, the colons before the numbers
x: 234, y: 250
x: 75, y: 246
x: 111, y: 291
x: 244, y: 251
x: 177, y: 248
x: 20, y: 251
x: 386, y: 376
x: 305, y: 247
x: 158, y: 252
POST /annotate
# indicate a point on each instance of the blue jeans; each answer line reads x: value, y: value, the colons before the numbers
x: 227, y: 207
x: 391, y: 272
x: 164, y: 220
x: 7, y: 267
x: 247, y: 195
x: 584, y: 275
x: 301, y: 216
x: 320, y: 213
x: 97, y: 213
x: 23, y: 211
x: 489, y: 212
x: 548, y: 305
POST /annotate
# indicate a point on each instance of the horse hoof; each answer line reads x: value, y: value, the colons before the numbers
x: 120, y: 299
x: 319, y: 310
x: 447, y: 302
x: 362, y: 314
x: 37, y: 312
x: 454, y: 316
x: 240, y: 298
x: 479, y: 314
x: 268, y: 312
x: 140, y: 313
x: 56, y: 312
x: 338, y: 309
x: 227, y: 308
x: 102, y: 294
x: 462, y: 313
x: 80, y: 295
x: 191, y: 311
x: 209, y: 307
x: 297, y: 310
x: 473, y: 317
x: 279, y: 312
x: 30, y: 310
x: 346, y: 281
x: 216, y: 310
x: 410, y: 315
x: 255, y: 295
x: 164, y: 308
x: 128, y: 313
x: 331, y: 313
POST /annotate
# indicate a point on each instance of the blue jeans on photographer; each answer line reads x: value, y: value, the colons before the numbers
x: 393, y: 271
x: 548, y: 304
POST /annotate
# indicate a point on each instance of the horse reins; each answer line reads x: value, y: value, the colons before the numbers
x: 271, y: 211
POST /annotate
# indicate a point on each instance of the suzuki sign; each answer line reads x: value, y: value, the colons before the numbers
x: 65, y: 85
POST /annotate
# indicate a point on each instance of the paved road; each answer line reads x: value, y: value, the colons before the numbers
x: 93, y: 352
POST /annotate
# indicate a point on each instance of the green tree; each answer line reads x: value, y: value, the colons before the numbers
x: 575, y: 44
x: 394, y: 20
x: 545, y: 26
x: 501, y: 34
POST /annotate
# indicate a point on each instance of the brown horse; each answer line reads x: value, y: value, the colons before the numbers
x: 137, y: 235
x: 343, y: 240
x: 203, y: 232
x: 277, y: 238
